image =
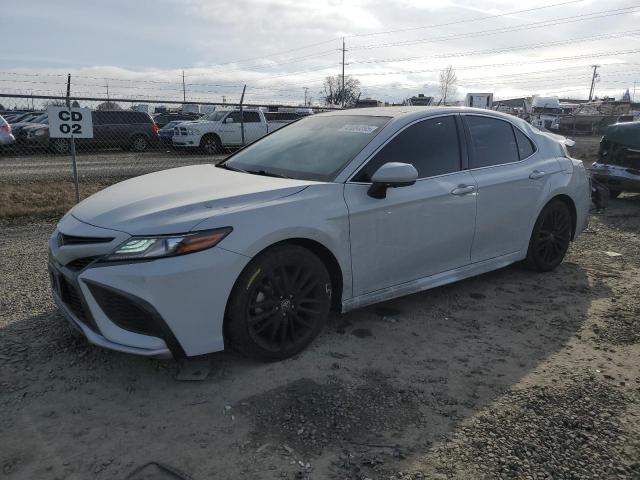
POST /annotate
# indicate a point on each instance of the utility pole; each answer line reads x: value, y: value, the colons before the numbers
x: 593, y: 80
x: 306, y: 89
x: 106, y: 84
x: 342, y: 91
x: 184, y: 90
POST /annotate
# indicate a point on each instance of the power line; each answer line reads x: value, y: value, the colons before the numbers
x: 470, y: 20
x: 517, y: 28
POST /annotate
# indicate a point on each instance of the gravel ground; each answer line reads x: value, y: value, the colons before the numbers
x: 508, y: 375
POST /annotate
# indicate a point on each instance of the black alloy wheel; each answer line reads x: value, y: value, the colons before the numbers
x: 280, y: 303
x: 551, y: 236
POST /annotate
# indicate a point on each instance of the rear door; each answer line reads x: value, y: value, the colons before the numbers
x: 418, y: 230
x: 512, y: 180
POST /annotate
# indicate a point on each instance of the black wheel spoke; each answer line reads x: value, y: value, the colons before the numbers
x: 262, y: 316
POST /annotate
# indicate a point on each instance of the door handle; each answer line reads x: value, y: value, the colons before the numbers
x: 536, y: 174
x: 463, y: 189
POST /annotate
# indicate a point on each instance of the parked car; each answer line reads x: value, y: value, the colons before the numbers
x: 6, y: 137
x: 337, y: 211
x: 25, y: 117
x: 125, y: 129
x: 223, y: 128
x: 618, y: 165
x: 21, y: 134
x: 163, y: 118
x: 166, y: 133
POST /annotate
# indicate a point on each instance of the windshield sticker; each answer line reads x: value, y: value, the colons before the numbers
x: 366, y: 129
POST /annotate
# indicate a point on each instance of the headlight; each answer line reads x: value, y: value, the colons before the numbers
x: 141, y: 248
x: 40, y: 132
x: 192, y: 131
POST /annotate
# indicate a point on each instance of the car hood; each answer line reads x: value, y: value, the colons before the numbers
x: 176, y: 200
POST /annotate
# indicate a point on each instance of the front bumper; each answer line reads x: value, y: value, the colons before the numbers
x: 186, y: 140
x: 100, y: 341
x: 168, y: 307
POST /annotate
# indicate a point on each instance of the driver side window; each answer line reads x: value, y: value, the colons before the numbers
x: 431, y: 146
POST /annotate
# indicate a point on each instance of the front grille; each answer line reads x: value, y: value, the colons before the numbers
x: 126, y: 311
x: 180, y: 131
x: 64, y: 239
x: 80, y: 263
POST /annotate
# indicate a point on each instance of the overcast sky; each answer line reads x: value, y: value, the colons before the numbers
x: 279, y: 47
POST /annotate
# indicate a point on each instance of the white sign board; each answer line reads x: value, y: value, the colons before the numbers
x: 67, y: 123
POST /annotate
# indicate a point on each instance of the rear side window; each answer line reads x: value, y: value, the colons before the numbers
x: 251, y: 117
x: 431, y: 146
x: 492, y: 142
x: 525, y: 145
x: 117, y: 117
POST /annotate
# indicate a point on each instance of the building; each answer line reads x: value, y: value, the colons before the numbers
x: 368, y: 102
x: 420, y: 100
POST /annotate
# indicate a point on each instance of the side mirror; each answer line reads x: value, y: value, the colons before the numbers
x: 228, y: 120
x: 392, y: 174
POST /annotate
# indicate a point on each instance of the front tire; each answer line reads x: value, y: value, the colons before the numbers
x: 550, y: 238
x: 279, y: 303
x: 210, y: 144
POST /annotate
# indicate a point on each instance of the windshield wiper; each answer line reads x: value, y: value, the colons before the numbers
x: 264, y: 173
x: 227, y: 167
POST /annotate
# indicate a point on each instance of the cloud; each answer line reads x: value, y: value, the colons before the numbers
x: 278, y: 47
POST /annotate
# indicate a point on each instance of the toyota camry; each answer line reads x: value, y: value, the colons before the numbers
x: 333, y: 212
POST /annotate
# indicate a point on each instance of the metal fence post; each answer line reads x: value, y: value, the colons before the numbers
x: 242, y: 114
x: 73, y: 144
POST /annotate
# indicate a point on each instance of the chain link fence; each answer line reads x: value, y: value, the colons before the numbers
x: 130, y: 138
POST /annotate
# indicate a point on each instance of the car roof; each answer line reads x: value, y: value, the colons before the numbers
x: 414, y: 111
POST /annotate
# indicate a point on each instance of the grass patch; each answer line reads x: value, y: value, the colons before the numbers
x: 42, y: 198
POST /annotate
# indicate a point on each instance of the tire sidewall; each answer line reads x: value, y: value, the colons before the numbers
x: 236, y: 322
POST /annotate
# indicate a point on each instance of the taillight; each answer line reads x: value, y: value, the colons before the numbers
x: 155, y: 128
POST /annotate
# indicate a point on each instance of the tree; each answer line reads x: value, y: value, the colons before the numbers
x: 108, y: 105
x: 448, y: 81
x: 332, y: 93
x: 2, y: 107
x: 54, y: 103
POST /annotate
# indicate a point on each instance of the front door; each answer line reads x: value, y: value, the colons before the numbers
x: 418, y: 230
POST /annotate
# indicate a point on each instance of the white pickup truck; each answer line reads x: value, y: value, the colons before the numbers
x: 223, y: 128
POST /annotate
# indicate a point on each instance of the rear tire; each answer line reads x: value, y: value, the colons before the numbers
x: 614, y: 193
x: 139, y: 143
x: 60, y: 146
x: 279, y: 303
x: 550, y: 237
x: 210, y: 144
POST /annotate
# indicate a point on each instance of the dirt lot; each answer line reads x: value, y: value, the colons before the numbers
x: 508, y: 375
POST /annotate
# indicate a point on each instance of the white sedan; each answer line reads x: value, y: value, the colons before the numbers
x: 335, y: 211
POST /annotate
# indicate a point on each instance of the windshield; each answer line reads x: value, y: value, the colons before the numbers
x: 313, y: 148
x: 215, y: 116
